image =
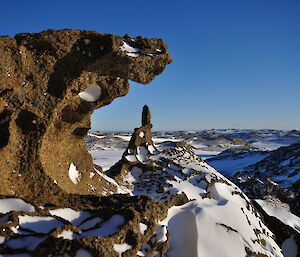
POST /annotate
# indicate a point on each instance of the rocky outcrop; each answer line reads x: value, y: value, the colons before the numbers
x: 50, y: 84
x: 115, y: 225
x: 276, y: 175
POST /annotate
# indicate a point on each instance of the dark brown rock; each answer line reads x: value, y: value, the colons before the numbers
x: 43, y: 122
x: 146, y: 116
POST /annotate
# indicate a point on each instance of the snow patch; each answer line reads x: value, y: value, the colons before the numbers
x: 143, y: 228
x: 39, y: 224
x: 121, y: 248
x: 75, y: 217
x: 74, y: 174
x: 160, y: 234
x: 14, y: 204
x: 131, y: 51
x: 131, y: 158
x: 2, y: 239
x: 66, y: 234
x: 142, y: 154
x: 280, y: 213
x: 82, y: 253
x: 289, y: 247
x: 91, y: 94
x: 30, y: 242
x: 90, y: 223
x: 108, y: 228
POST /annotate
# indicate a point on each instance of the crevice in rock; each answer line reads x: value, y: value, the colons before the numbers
x: 4, y: 128
x: 27, y: 121
x: 80, y: 132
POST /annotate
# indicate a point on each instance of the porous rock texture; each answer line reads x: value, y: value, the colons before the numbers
x: 45, y: 106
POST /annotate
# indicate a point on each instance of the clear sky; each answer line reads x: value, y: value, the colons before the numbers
x: 236, y: 63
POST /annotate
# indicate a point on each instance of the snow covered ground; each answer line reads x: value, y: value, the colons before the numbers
x: 276, y: 209
x: 231, y: 165
x: 271, y: 145
x: 106, y: 158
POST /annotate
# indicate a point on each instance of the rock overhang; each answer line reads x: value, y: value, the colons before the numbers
x: 45, y: 118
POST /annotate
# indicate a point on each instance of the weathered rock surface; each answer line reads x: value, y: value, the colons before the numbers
x: 50, y: 84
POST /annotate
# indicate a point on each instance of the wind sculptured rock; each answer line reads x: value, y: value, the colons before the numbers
x: 50, y: 84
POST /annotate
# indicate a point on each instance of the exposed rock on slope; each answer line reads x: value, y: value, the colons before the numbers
x: 50, y: 84
x: 194, y: 210
x: 115, y: 225
x: 277, y: 175
x: 208, y: 215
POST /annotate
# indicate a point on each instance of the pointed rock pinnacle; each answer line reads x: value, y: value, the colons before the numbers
x: 146, y: 116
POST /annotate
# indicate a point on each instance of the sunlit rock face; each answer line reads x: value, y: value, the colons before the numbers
x: 50, y: 84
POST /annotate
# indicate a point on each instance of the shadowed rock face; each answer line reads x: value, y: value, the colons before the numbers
x: 50, y: 84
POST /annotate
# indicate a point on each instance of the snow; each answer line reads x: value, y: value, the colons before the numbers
x: 106, y: 158
x: 230, y: 166
x: 74, y: 217
x: 66, y: 234
x: 151, y: 149
x: 121, y: 248
x: 131, y: 158
x: 183, y: 233
x: 205, y: 153
x: 90, y: 223
x: 29, y: 242
x: 107, y: 228
x: 217, y: 225
x: 112, y: 181
x: 289, y: 247
x: 142, y: 154
x: 82, y: 253
x: 39, y: 224
x: 131, y: 51
x: 125, y: 138
x: 160, y: 234
x: 271, y: 145
x: 143, y: 228
x: 14, y: 204
x: 157, y: 140
x: 93, y: 135
x: 74, y: 174
x: 191, y: 191
x: 91, y: 94
x: 277, y: 211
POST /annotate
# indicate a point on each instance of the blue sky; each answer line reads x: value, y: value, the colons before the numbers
x: 236, y: 63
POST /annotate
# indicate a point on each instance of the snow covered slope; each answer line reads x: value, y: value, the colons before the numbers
x: 208, y: 215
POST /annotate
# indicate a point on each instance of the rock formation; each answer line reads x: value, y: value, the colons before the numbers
x: 171, y: 202
x: 55, y: 202
x: 50, y: 84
